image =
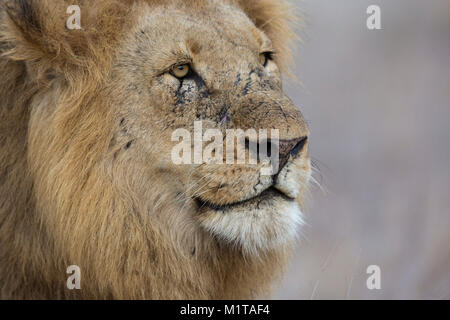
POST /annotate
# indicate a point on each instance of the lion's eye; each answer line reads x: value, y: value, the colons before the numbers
x: 181, y: 71
x: 265, y: 57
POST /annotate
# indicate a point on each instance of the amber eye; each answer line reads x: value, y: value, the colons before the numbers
x: 181, y: 70
x: 265, y: 57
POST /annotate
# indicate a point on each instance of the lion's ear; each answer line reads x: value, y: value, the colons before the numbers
x: 276, y: 19
x: 36, y: 31
x: 33, y: 31
x: 21, y: 29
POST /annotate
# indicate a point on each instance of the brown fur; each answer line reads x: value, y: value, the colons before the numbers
x: 79, y: 183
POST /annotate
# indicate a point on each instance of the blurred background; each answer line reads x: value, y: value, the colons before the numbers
x: 378, y: 106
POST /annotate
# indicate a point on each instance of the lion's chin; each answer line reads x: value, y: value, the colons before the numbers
x: 267, y: 222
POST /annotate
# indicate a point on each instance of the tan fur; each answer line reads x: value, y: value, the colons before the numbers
x: 85, y: 123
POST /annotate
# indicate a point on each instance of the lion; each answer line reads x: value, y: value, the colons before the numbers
x: 86, y: 123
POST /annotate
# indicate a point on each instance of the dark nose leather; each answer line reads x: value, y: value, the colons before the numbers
x: 288, y: 148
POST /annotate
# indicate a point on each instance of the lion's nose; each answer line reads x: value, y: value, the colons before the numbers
x: 288, y: 148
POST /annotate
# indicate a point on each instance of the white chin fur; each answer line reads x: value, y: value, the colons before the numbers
x: 256, y: 230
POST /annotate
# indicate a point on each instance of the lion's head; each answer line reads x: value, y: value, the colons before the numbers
x: 97, y: 111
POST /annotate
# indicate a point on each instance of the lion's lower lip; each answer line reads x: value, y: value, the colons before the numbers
x: 266, y: 194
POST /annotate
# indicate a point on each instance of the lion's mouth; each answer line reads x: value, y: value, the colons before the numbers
x: 267, y: 195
